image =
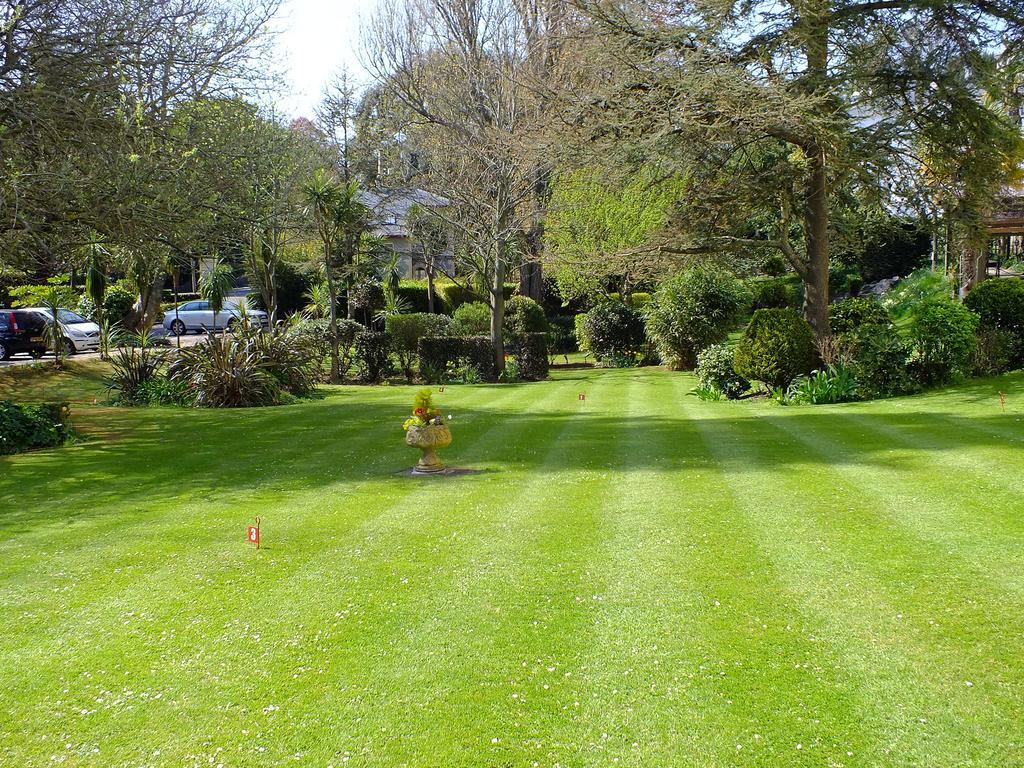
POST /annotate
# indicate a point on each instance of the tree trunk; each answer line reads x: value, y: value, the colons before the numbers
x: 498, y: 311
x: 147, y: 305
x: 816, y: 233
x: 333, y: 294
x: 430, y: 287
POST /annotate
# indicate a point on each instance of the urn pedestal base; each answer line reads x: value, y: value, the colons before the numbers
x: 428, y: 439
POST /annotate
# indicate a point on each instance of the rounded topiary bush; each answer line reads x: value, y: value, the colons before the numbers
x: 693, y: 310
x: 849, y: 315
x: 777, y: 346
x: 943, y: 337
x: 612, y: 332
x: 524, y: 315
x: 473, y: 318
x: 999, y: 304
x: 715, y: 370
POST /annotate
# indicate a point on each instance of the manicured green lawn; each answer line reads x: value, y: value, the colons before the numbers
x: 638, y: 579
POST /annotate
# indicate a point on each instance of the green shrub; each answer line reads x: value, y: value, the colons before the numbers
x: 636, y: 300
x: 777, y: 346
x: 943, y: 339
x: 561, y: 335
x: 774, y: 293
x: 315, y: 336
x: 579, y: 324
x: 473, y: 319
x: 999, y: 303
x: 715, y: 371
x: 613, y: 333
x: 998, y: 351
x: 454, y: 296
x: 692, y: 311
x: 117, y: 303
x: 849, y: 315
x: 373, y: 356
x: 134, y: 366
x: 531, y: 353
x: 441, y: 357
x: 877, y: 358
x: 405, y: 332
x: 27, y: 427
x: 524, y: 315
x: 224, y: 372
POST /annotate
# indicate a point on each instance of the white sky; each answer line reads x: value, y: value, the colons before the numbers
x: 318, y: 38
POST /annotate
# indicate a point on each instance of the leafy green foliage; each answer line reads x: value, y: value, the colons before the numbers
x: 715, y: 371
x: 473, y: 318
x: 915, y: 289
x: 373, y: 356
x: 693, y: 310
x: 774, y: 293
x: 612, y: 332
x: 405, y: 332
x: 998, y: 351
x: 531, y: 355
x: 834, y: 384
x: 850, y: 314
x: 524, y: 315
x: 27, y: 427
x: 224, y: 372
x: 943, y: 340
x: 134, y: 367
x: 999, y: 303
x: 561, y: 334
x: 777, y: 346
x: 443, y: 358
x: 315, y: 335
x: 877, y: 357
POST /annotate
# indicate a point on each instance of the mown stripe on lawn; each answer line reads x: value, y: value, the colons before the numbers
x: 886, y: 600
x: 401, y: 540
x: 702, y: 656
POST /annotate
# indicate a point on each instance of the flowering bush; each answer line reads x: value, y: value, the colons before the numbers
x: 423, y: 411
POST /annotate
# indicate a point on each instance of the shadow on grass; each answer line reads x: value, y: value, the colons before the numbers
x: 152, y: 455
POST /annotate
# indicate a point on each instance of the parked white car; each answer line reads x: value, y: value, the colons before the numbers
x: 80, y: 335
x: 197, y: 316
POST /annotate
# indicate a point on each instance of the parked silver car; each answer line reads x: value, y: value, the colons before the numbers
x: 198, y: 316
x: 80, y: 335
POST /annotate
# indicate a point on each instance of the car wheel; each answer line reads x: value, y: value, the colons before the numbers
x: 69, y: 347
x: 37, y: 353
x: 5, y: 353
x: 178, y: 328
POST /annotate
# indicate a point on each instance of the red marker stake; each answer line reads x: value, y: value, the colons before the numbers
x: 253, y: 533
x: 582, y: 396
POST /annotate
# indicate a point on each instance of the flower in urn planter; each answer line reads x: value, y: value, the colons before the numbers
x: 427, y: 431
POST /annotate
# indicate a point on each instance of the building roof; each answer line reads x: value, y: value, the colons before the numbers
x: 391, y: 208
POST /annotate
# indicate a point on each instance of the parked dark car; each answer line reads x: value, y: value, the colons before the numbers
x: 22, y: 331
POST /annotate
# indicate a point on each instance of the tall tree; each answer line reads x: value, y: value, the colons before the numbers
x: 464, y: 68
x: 774, y: 110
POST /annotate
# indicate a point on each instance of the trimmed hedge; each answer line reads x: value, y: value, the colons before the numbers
x: 438, y: 354
x: 531, y: 352
x: 777, y: 346
x: 774, y: 293
x: 473, y: 319
x: 26, y: 427
x: 405, y: 332
x: 454, y: 296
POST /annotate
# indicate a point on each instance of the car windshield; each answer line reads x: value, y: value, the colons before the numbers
x: 67, y: 316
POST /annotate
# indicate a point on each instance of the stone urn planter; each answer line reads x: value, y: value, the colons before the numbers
x: 428, y: 439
